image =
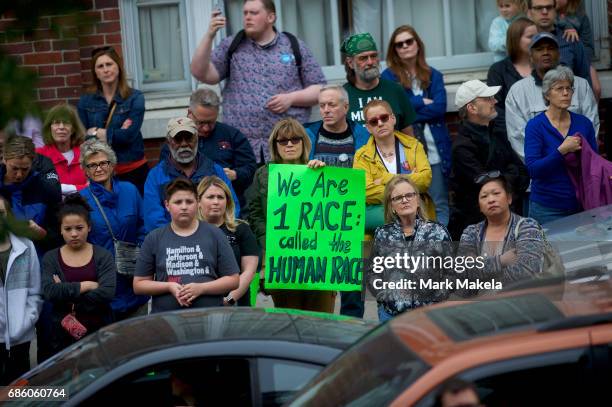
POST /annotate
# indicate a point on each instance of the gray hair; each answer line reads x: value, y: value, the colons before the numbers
x: 560, y: 73
x: 96, y: 146
x: 462, y: 113
x: 344, y: 97
x: 204, y: 97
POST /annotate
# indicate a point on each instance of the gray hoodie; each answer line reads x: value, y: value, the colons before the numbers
x: 20, y: 296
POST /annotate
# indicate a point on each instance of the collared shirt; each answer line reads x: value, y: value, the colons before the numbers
x: 258, y: 73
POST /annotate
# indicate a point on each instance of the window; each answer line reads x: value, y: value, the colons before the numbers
x: 561, y: 378
x: 163, y: 58
x: 205, y: 381
x: 280, y: 379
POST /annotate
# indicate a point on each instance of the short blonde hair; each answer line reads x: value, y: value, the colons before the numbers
x: 95, y: 146
x: 212, y: 180
x: 376, y: 103
x: 288, y: 128
x: 390, y: 216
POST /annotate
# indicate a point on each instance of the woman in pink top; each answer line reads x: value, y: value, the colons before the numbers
x: 63, y: 133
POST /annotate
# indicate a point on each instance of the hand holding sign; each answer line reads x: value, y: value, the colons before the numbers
x: 315, y: 227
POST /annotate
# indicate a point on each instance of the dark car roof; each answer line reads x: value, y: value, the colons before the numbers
x: 168, y: 329
x: 121, y: 342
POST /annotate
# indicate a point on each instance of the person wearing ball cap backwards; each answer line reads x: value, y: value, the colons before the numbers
x: 476, y: 151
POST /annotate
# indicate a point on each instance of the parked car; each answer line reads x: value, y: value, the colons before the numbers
x: 584, y: 240
x: 544, y: 346
x: 219, y: 356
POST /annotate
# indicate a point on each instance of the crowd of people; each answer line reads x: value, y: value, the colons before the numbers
x: 110, y: 233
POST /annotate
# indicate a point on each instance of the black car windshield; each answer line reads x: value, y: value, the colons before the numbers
x: 371, y: 373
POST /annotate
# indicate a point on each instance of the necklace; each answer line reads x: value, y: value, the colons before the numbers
x: 387, y: 155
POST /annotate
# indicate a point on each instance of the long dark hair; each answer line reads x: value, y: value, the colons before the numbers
x: 423, y: 71
x: 74, y: 204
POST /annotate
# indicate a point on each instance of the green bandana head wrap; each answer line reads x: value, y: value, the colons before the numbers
x: 358, y: 43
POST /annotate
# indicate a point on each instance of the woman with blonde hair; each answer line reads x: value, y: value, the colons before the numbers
x: 289, y: 144
x: 407, y: 229
x: 216, y: 206
x: 387, y: 153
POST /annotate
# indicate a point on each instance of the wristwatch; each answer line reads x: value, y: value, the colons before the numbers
x: 230, y: 300
x: 92, y: 135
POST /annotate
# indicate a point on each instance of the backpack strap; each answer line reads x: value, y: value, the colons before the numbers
x: 295, y: 48
x: 232, y: 48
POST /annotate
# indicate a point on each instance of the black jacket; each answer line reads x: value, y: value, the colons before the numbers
x: 37, y: 198
x: 504, y: 74
x: 476, y: 150
x: 90, y: 306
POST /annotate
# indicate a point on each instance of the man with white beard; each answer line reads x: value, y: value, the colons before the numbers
x: 184, y: 161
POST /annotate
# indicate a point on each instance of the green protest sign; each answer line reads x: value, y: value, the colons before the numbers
x: 314, y: 228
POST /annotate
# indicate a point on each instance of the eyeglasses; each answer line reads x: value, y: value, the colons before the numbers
x: 101, y: 49
x: 408, y: 43
x: 540, y: 9
x: 94, y: 166
x: 563, y: 89
x: 61, y: 122
x: 382, y: 118
x: 409, y: 196
x: 482, y: 178
x: 183, y: 136
x: 294, y: 141
x: 200, y: 123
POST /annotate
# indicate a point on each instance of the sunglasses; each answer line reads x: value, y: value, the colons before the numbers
x: 294, y: 141
x: 487, y: 176
x: 382, y: 118
x: 408, y: 43
x: 101, y: 49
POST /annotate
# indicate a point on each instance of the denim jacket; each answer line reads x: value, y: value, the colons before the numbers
x: 123, y: 133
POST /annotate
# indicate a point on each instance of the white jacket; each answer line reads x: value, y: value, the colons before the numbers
x: 20, y: 295
x: 525, y: 100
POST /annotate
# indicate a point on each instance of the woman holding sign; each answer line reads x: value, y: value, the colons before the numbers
x: 216, y: 207
x: 289, y: 144
x: 388, y: 153
x: 407, y: 230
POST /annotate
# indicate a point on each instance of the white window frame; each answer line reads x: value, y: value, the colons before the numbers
x: 192, y: 13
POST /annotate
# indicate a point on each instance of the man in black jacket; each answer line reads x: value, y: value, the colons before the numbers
x: 478, y: 150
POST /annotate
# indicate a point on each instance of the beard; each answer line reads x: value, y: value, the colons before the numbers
x: 368, y: 74
x: 180, y: 155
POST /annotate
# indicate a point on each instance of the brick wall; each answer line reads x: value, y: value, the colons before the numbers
x: 62, y: 56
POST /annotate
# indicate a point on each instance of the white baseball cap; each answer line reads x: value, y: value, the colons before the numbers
x: 473, y: 89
